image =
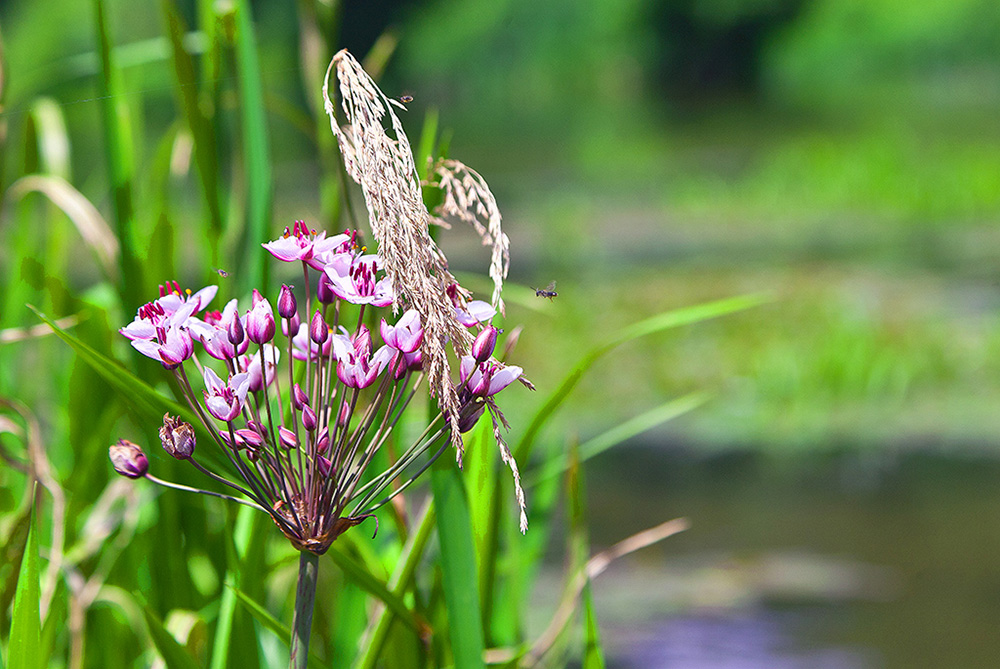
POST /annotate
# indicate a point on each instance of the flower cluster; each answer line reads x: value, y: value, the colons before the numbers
x: 301, y: 399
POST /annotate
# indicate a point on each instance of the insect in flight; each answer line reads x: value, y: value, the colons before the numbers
x: 549, y: 291
x: 405, y: 99
x: 223, y: 273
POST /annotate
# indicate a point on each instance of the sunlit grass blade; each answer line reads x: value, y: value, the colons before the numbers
x: 402, y: 580
x: 174, y: 655
x: 256, y: 153
x: 245, y: 565
x: 269, y: 622
x: 119, y: 156
x: 201, y: 127
x: 23, y: 650
x: 658, y: 323
x: 620, y: 433
x: 458, y: 565
x: 46, y: 134
x: 358, y: 574
x: 593, y: 653
x: 94, y: 230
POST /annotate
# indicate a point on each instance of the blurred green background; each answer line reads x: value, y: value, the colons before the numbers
x: 841, y: 156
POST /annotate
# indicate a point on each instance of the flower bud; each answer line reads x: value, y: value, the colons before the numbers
x: 286, y: 302
x: 235, y: 331
x: 324, y: 290
x: 319, y: 332
x: 177, y: 437
x: 470, y: 416
x: 308, y: 418
x: 260, y: 322
x: 299, y: 397
x: 344, y: 415
x: 128, y: 459
x: 287, y: 438
x: 486, y: 341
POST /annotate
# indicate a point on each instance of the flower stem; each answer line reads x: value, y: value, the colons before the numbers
x: 305, y: 595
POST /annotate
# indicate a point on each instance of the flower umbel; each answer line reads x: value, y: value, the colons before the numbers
x: 301, y: 397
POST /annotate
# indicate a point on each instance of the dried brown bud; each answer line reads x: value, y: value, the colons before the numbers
x: 177, y: 437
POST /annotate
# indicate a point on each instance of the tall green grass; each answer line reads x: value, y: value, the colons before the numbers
x: 129, y: 574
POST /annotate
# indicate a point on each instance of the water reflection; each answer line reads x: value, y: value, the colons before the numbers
x: 841, y: 560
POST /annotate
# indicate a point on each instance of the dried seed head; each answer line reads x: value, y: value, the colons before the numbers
x: 177, y: 437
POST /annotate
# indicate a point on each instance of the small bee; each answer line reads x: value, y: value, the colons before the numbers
x: 549, y: 291
x: 223, y: 273
x: 406, y: 99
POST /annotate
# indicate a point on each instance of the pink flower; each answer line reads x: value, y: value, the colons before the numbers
x: 486, y: 379
x: 354, y: 280
x: 215, y: 333
x: 359, y: 368
x: 406, y: 335
x: 474, y: 312
x: 172, y: 308
x: 171, y: 346
x: 304, y: 244
x: 260, y: 321
x: 225, y: 400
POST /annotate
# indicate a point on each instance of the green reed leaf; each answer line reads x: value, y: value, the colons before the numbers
x: 205, y: 149
x: 23, y: 650
x: 173, y: 653
x: 119, y: 156
x: 256, y: 150
x: 458, y: 565
x: 659, y: 323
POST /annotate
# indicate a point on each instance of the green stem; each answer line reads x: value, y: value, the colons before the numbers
x: 305, y: 595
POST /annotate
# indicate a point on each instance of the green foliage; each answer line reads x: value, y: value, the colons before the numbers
x: 24, y: 650
x: 188, y: 186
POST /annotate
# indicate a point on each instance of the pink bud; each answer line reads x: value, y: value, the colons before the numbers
x: 344, y: 415
x: 308, y: 418
x: 299, y: 397
x: 286, y: 302
x: 287, y: 438
x: 235, y: 331
x: 128, y: 459
x: 260, y: 322
x: 319, y: 332
x: 486, y: 341
x: 324, y: 290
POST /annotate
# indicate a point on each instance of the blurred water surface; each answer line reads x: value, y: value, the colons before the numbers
x: 842, y: 561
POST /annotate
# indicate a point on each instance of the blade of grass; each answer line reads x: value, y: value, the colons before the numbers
x: 173, y: 653
x: 252, y: 268
x: 374, y: 586
x: 201, y: 127
x: 401, y: 581
x: 118, y: 153
x: 275, y: 626
x: 246, y: 531
x: 25, y: 629
x: 458, y: 565
x: 658, y: 323
x: 620, y: 433
x: 94, y: 230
